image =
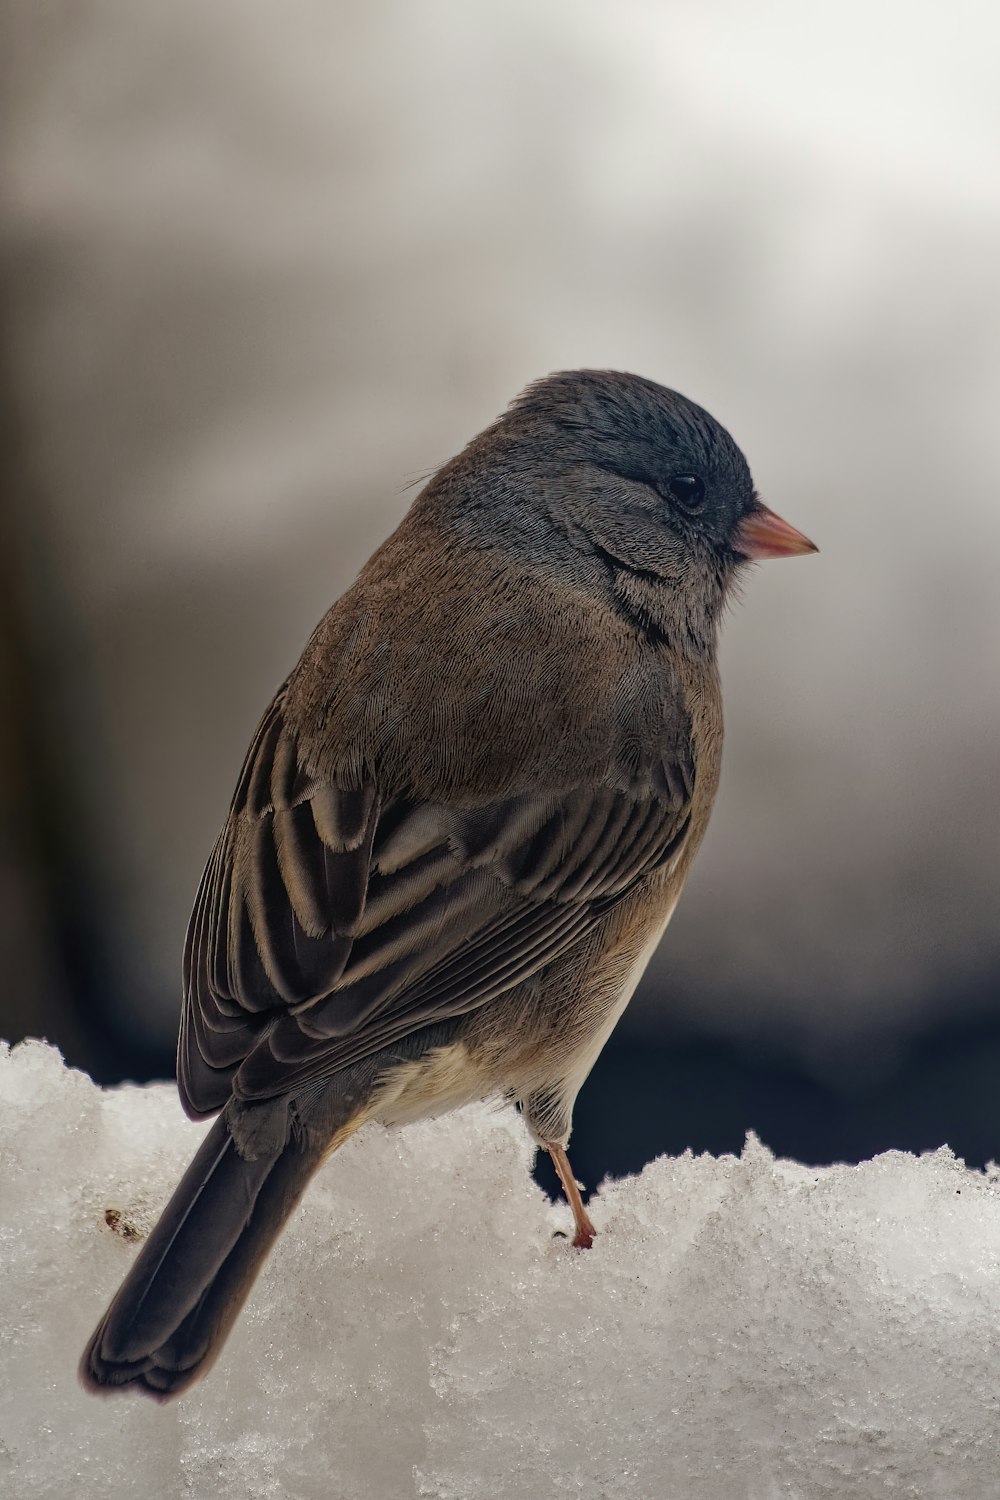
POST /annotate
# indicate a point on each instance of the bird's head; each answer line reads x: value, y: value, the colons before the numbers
x: 639, y: 478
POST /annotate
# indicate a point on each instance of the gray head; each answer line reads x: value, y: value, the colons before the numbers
x: 652, y: 452
x: 635, y: 479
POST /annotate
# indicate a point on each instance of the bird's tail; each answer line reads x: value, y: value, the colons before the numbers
x: 173, y: 1311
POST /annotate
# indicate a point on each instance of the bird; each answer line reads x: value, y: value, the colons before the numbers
x: 460, y: 830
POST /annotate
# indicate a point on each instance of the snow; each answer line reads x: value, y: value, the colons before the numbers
x: 743, y: 1327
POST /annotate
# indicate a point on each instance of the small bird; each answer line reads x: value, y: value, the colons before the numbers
x: 460, y: 830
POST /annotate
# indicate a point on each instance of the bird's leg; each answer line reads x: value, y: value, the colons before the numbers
x: 585, y: 1231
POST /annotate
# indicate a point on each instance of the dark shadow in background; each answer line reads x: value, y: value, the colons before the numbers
x: 644, y: 1099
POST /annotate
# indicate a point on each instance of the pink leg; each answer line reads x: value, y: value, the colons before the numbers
x: 585, y: 1231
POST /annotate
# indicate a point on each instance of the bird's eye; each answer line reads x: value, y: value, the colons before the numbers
x: 688, y: 490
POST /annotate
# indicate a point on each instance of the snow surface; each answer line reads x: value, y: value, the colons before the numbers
x: 743, y: 1327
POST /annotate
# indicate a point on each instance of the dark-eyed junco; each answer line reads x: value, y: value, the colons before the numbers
x: 460, y: 830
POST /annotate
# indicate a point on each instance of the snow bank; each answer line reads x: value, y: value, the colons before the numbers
x: 743, y: 1328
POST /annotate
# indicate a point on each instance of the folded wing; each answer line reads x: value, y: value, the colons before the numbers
x: 331, y: 921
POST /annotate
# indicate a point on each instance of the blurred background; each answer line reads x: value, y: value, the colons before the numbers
x: 262, y: 265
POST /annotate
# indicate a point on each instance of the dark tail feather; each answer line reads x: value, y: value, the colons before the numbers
x: 173, y: 1311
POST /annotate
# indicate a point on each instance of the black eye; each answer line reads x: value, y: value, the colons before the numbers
x: 688, y: 490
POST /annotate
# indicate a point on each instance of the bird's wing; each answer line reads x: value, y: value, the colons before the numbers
x: 330, y: 922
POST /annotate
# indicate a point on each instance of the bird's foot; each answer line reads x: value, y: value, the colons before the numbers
x: 585, y: 1231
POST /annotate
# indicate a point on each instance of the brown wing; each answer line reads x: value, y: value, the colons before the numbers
x: 330, y: 922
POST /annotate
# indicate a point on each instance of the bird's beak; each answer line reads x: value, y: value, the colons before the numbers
x: 762, y: 534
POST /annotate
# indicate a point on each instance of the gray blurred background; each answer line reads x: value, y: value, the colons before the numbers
x: 262, y: 265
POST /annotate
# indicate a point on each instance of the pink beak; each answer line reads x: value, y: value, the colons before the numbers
x: 762, y: 534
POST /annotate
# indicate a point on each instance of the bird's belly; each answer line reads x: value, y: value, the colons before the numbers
x: 592, y: 1046
x: 442, y: 1079
x: 447, y: 1077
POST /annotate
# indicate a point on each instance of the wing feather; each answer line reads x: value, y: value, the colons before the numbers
x: 332, y: 921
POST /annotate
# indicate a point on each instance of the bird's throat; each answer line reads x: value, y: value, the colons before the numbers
x: 669, y: 610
